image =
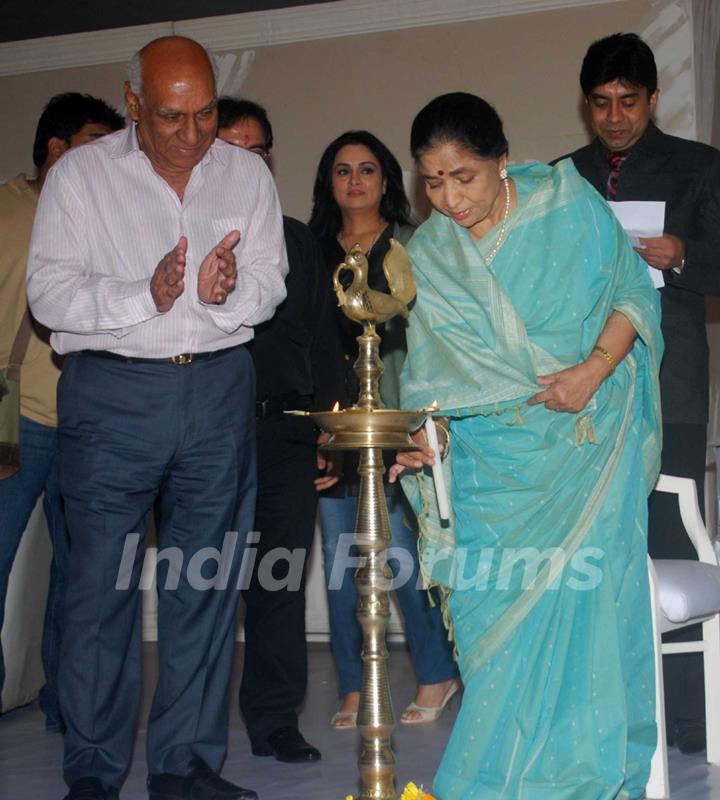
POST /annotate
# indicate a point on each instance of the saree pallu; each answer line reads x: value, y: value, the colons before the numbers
x: 544, y: 563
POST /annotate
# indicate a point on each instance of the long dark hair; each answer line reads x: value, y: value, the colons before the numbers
x: 326, y: 218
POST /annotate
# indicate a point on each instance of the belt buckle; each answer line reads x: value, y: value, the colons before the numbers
x: 183, y: 358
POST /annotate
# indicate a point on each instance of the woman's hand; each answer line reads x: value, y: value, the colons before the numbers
x: 572, y: 389
x: 414, y: 459
x: 329, y: 461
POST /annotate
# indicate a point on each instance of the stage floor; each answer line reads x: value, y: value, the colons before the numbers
x: 30, y: 758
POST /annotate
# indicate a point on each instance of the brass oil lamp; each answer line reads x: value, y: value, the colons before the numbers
x: 371, y: 428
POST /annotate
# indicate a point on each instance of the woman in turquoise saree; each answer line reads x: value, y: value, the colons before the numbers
x: 536, y: 331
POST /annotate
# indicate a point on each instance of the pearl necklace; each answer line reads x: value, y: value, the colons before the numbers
x: 501, y: 238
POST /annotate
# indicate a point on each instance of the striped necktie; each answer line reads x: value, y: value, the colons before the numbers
x: 616, y: 161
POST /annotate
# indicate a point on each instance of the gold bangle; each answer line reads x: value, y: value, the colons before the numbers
x: 609, y: 357
x: 443, y: 424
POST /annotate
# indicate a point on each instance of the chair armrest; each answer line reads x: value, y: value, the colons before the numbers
x: 692, y: 520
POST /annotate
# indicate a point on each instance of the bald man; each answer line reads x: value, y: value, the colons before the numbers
x: 152, y: 269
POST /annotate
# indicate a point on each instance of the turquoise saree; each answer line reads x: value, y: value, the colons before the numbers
x: 544, y: 563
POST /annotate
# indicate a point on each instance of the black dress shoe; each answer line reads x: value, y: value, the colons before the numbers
x: 287, y: 744
x: 200, y: 783
x: 90, y: 789
x: 689, y: 735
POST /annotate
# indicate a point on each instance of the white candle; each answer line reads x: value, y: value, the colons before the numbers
x: 440, y: 489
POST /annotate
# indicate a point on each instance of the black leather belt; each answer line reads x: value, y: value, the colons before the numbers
x: 277, y: 406
x: 179, y: 360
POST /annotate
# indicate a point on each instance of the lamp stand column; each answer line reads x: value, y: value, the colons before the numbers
x: 376, y: 720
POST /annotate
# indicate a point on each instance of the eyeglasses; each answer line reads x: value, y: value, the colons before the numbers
x: 260, y: 151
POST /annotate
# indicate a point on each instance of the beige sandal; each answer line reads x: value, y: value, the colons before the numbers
x: 344, y: 720
x: 432, y: 713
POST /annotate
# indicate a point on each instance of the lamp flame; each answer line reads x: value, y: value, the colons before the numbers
x: 336, y: 407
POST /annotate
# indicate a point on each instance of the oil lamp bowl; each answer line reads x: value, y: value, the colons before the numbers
x: 355, y: 427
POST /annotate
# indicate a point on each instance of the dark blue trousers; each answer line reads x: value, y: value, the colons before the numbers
x: 18, y: 495
x: 131, y: 433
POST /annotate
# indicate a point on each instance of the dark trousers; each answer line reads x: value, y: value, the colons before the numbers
x: 130, y: 432
x: 683, y: 454
x: 275, y: 670
x: 18, y: 495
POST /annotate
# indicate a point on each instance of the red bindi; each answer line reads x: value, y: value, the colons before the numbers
x: 441, y: 172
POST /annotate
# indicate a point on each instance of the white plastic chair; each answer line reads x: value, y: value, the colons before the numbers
x: 685, y: 593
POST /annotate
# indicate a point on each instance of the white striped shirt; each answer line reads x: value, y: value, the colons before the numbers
x: 106, y: 218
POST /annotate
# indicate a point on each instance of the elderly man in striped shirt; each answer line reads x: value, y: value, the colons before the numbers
x: 154, y: 253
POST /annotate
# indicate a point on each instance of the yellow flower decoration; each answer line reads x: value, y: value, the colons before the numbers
x: 412, y: 792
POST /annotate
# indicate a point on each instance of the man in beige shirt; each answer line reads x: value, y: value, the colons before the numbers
x: 67, y: 121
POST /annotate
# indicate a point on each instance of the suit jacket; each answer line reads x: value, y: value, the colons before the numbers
x: 295, y: 353
x: 686, y: 175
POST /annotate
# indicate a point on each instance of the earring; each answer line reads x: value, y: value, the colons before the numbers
x: 503, y: 174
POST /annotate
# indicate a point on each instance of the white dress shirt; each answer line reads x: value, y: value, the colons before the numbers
x: 106, y: 218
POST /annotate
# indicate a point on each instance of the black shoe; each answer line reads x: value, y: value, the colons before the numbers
x: 287, y: 744
x: 90, y: 789
x: 200, y: 783
x: 689, y: 735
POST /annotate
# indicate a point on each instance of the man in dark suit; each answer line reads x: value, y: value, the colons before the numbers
x: 297, y: 363
x: 631, y: 159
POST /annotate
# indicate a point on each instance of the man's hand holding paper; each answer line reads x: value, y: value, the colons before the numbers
x: 644, y: 223
x: 662, y: 252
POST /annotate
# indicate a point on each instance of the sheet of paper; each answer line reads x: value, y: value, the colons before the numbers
x: 644, y: 218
